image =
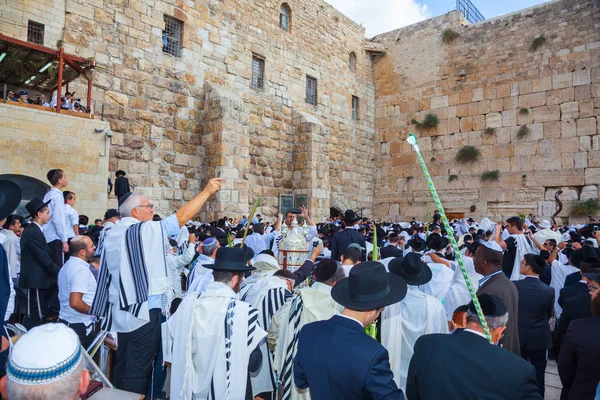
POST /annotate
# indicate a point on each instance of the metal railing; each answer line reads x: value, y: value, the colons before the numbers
x: 469, y: 10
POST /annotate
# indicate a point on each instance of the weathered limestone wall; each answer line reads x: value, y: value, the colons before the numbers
x: 14, y: 16
x: 32, y: 142
x: 483, y: 79
x: 158, y: 104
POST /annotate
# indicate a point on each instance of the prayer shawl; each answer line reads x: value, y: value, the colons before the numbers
x: 212, y: 337
x: 107, y: 227
x: 133, y: 266
x: 458, y: 294
x: 440, y: 281
x: 544, y: 234
x: 255, y: 284
x: 403, y: 323
x: 310, y: 304
x: 524, y: 246
x: 200, y: 276
x: 559, y: 274
x: 182, y: 240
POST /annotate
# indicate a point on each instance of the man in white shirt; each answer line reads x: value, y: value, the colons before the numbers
x: 259, y: 240
x: 76, y: 290
x: 56, y: 231
x: 71, y: 218
x: 12, y: 243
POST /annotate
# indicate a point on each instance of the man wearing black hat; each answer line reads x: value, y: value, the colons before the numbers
x: 466, y: 366
x: 345, y: 238
x: 121, y: 184
x: 38, y: 270
x: 417, y: 315
x: 222, y: 332
x: 336, y: 359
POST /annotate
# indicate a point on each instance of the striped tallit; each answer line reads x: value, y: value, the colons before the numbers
x: 286, y: 374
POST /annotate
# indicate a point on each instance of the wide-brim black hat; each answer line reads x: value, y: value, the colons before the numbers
x: 351, y: 216
x: 416, y: 243
x: 435, y: 241
x: 35, y: 205
x: 248, y: 252
x: 120, y: 173
x: 232, y: 259
x: 10, y: 197
x: 369, y: 287
x: 414, y: 271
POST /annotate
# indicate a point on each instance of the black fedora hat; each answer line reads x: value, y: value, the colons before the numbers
x: 35, y: 205
x: 369, y: 287
x: 231, y: 259
x: 249, y: 253
x: 10, y: 197
x: 120, y: 173
x: 435, y: 241
x: 414, y: 271
x: 351, y: 216
x: 416, y: 243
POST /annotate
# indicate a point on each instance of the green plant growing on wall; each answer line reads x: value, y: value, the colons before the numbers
x: 524, y: 111
x: 473, y: 208
x: 537, y: 43
x: 449, y: 35
x: 452, y: 178
x: 490, y: 176
x: 585, y: 207
x: 433, y: 159
x: 467, y: 155
x: 429, y: 122
x: 489, y: 131
x: 523, y: 131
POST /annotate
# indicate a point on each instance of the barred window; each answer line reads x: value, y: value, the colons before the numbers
x: 258, y: 72
x: 311, y: 90
x: 35, y: 32
x: 352, y: 62
x: 355, y: 105
x: 285, y: 16
x: 171, y: 36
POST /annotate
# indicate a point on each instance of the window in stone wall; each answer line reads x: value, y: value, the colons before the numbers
x: 355, y: 104
x: 311, y: 90
x: 258, y: 72
x: 35, y: 32
x: 285, y: 17
x: 352, y: 62
x: 171, y: 36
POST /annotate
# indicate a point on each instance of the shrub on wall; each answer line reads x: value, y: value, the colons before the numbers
x: 467, y: 155
x: 491, y: 176
x: 585, y: 208
x: 449, y: 35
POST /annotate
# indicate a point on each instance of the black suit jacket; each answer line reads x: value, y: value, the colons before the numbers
x: 343, y: 239
x: 576, y: 307
x: 578, y: 364
x: 571, y: 291
x: 336, y: 359
x: 465, y: 366
x: 38, y: 271
x: 572, y: 279
x: 121, y: 186
x: 536, y: 305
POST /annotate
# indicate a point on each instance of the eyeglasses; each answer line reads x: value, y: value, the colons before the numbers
x: 593, y: 288
x: 146, y: 205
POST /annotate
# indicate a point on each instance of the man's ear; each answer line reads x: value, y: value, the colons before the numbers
x: 84, y: 382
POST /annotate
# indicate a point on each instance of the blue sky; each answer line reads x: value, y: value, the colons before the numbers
x: 380, y: 16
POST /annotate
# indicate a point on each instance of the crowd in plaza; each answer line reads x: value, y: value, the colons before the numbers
x: 377, y: 310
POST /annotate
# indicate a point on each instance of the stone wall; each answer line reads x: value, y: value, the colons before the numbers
x: 159, y: 105
x: 484, y: 86
x: 32, y: 142
x: 14, y: 17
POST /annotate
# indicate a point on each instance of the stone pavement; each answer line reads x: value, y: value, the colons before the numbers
x: 553, y: 384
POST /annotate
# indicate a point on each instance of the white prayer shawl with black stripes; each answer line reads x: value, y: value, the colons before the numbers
x: 133, y: 266
x: 310, y: 304
x: 273, y: 293
x: 212, y: 337
x: 107, y: 227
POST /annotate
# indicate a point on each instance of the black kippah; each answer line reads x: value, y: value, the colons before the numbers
x: 124, y: 198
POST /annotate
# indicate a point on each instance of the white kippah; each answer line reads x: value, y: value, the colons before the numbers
x: 45, y: 354
x: 493, y: 245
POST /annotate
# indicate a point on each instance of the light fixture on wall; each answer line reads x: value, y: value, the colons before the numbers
x: 107, y: 134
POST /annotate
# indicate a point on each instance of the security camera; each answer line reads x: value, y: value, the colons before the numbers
x: 99, y: 130
x: 109, y: 133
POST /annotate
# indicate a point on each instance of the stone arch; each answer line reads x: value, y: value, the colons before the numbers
x: 285, y: 17
x: 30, y: 187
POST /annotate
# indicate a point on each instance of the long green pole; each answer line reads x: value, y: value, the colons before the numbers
x: 412, y: 140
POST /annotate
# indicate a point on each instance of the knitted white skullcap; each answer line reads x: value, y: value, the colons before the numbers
x: 493, y: 245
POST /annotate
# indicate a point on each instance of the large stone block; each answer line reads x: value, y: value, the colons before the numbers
x: 546, y: 114
x: 493, y: 120
x: 592, y: 176
x: 532, y: 100
x: 586, y: 126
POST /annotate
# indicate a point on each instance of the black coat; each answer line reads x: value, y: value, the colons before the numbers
x: 536, y: 305
x: 465, y: 366
x: 343, y: 239
x: 391, y: 251
x: 572, y: 279
x: 571, y: 291
x: 121, y: 186
x: 576, y: 307
x: 4, y: 299
x: 579, y: 361
x: 38, y: 271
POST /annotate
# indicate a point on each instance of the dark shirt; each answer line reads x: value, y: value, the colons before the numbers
x: 121, y: 186
x: 508, y: 260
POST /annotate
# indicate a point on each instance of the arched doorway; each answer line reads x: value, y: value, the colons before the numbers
x: 30, y: 187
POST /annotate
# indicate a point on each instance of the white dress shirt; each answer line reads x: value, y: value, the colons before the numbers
x: 56, y: 228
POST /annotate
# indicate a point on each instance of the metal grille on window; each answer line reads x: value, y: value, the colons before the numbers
x: 258, y: 72
x: 35, y: 32
x: 311, y: 90
x: 284, y: 17
x: 172, y: 36
x: 355, y: 108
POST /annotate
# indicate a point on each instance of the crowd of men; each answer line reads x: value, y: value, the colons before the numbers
x: 376, y: 311
x: 68, y: 101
